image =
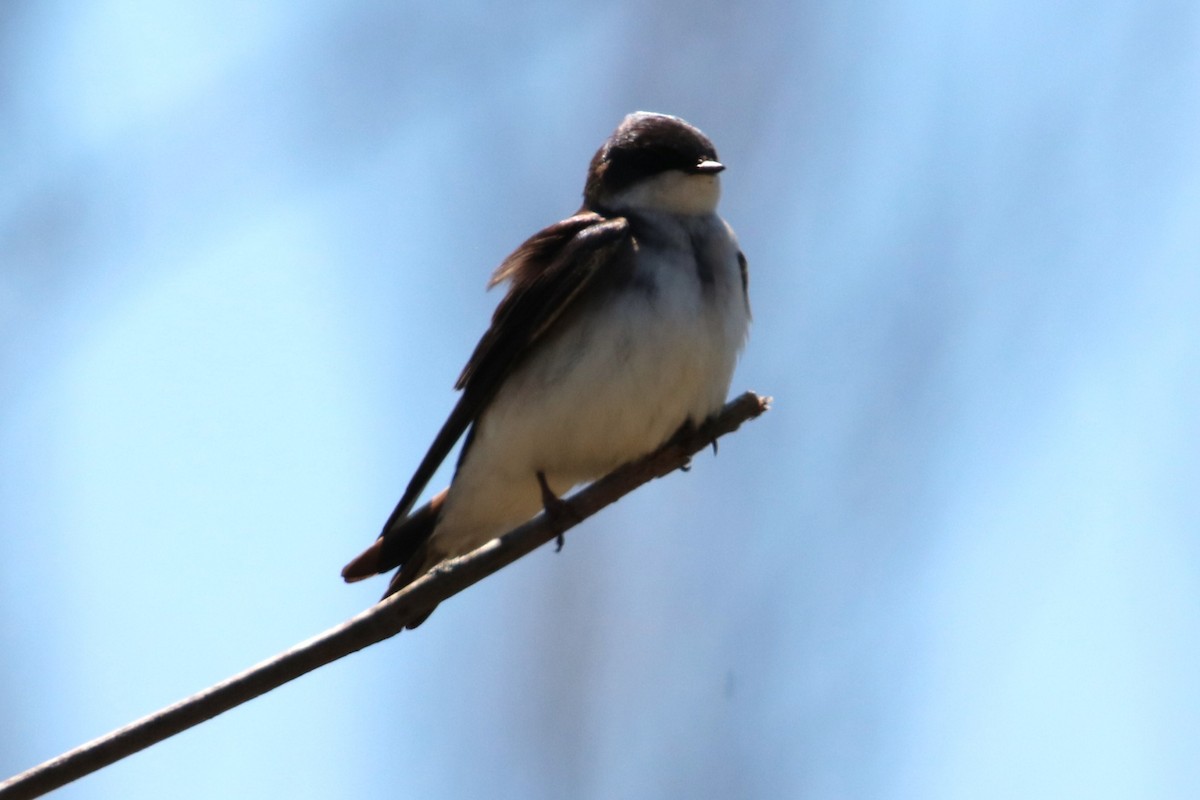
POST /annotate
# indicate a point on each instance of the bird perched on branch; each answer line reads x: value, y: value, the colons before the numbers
x: 621, y: 325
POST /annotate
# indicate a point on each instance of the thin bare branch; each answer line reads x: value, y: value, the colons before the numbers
x: 383, y: 620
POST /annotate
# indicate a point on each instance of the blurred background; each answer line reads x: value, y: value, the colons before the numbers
x: 242, y: 260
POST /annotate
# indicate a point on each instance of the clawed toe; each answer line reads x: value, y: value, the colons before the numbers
x: 559, y: 511
x: 686, y: 435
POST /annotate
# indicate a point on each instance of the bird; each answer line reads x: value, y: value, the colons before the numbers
x: 621, y: 325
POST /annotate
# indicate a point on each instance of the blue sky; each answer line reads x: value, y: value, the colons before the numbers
x: 242, y: 260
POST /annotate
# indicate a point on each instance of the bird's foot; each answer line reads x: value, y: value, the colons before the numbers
x: 559, y: 511
x: 686, y: 436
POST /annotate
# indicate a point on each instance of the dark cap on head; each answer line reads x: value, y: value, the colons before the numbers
x: 643, y: 145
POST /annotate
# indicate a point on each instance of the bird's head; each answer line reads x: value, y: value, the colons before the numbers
x: 654, y: 162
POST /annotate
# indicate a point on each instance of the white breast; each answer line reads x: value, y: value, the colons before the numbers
x: 611, y: 386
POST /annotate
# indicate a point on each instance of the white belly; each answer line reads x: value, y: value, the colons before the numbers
x: 610, y: 387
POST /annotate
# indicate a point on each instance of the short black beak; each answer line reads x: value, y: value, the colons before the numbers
x: 708, y: 167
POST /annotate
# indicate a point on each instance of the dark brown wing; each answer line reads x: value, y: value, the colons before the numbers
x: 745, y: 270
x: 546, y: 274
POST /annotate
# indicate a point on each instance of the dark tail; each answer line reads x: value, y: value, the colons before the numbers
x: 402, y: 544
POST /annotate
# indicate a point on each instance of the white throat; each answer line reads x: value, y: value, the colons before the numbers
x: 673, y: 191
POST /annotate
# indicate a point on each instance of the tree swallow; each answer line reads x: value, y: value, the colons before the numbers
x: 621, y: 325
